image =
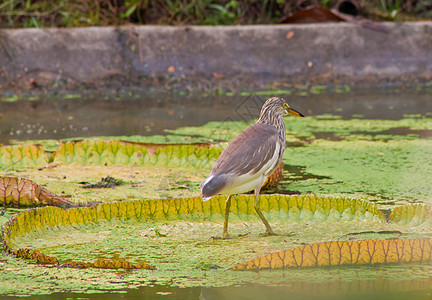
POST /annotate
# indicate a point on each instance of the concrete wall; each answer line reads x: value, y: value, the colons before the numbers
x: 202, y: 57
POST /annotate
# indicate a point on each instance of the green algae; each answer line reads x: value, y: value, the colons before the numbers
x: 367, y: 158
x: 393, y: 170
x: 186, y: 244
x: 342, y: 157
x: 186, y: 255
x: 39, y: 280
x: 359, y: 157
x: 11, y: 98
x: 141, y: 183
x: 353, y: 129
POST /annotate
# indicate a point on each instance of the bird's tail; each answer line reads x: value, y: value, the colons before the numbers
x: 212, y: 186
x: 206, y: 198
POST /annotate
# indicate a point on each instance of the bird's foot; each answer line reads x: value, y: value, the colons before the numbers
x: 267, y: 233
x: 223, y: 237
x: 244, y: 235
x: 220, y: 238
x: 228, y: 237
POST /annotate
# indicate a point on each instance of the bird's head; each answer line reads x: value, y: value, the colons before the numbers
x: 291, y: 111
x: 276, y: 106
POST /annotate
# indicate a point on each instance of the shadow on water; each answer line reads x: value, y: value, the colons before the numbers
x: 298, y: 173
x: 331, y: 136
x: 405, y: 131
x: 145, y: 114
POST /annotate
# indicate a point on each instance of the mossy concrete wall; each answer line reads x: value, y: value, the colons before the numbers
x: 205, y: 57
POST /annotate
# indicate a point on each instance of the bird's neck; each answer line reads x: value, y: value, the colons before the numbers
x: 276, y: 121
x: 273, y: 120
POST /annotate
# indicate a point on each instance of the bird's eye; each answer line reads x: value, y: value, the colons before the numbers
x: 285, y: 105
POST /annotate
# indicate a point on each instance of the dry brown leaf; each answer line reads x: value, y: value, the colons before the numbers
x: 218, y: 75
x: 16, y: 191
x: 289, y: 35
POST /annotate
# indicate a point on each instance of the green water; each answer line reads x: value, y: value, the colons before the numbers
x: 370, y: 144
x: 126, y: 114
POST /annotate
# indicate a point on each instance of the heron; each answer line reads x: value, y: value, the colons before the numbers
x: 250, y: 158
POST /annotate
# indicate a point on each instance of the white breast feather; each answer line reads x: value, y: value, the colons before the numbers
x: 248, y: 182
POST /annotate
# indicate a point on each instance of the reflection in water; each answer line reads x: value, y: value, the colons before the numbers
x: 387, y: 289
x: 373, y: 289
x: 144, y: 114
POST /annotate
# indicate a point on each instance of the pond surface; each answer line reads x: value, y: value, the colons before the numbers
x: 54, y: 117
x: 249, y: 292
x: 134, y: 114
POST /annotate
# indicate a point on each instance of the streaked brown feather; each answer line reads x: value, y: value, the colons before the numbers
x: 248, y: 152
x: 251, y: 156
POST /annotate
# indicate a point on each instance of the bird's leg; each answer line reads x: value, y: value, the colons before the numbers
x: 227, y: 210
x: 269, y: 230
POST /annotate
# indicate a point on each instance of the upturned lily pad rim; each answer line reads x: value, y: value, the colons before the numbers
x: 183, y: 209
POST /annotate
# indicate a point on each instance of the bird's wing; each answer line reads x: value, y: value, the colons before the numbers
x: 248, y: 152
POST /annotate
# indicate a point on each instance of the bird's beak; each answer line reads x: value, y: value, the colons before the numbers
x: 291, y: 111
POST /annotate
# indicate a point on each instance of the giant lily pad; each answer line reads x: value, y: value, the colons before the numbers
x: 111, y: 152
x: 190, y: 221
x: 338, y: 253
x: 198, y: 157
x: 276, y: 207
x: 325, y: 155
x: 22, y: 155
x: 23, y: 192
x: 413, y: 215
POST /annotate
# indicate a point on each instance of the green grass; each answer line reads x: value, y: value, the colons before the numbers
x: 63, y: 13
